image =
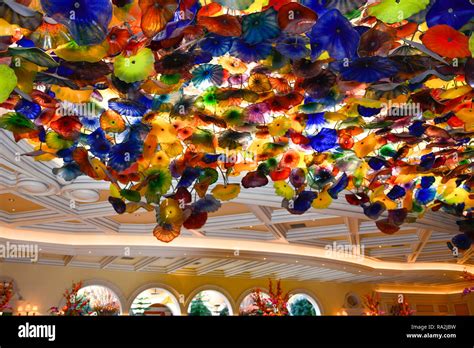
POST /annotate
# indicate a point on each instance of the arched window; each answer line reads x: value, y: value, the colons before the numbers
x: 247, y: 305
x: 301, y: 304
x: 210, y: 303
x: 102, y: 300
x: 155, y: 301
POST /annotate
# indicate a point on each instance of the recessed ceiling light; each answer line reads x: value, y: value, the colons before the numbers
x: 380, y: 273
x: 11, y: 200
x: 324, y: 264
x: 90, y: 252
x: 264, y: 258
x: 360, y: 271
x: 380, y: 246
x: 251, y: 226
x: 296, y: 261
x: 13, y: 209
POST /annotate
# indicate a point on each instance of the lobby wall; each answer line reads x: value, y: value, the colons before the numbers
x: 44, y: 285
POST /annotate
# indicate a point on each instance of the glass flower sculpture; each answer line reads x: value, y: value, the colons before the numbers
x: 182, y: 105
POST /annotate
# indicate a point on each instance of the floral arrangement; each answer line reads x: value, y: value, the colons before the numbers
x: 470, y: 278
x: 401, y: 308
x: 275, y: 305
x: 6, y: 294
x: 103, y: 302
x: 76, y: 305
x: 372, y: 304
x: 180, y: 105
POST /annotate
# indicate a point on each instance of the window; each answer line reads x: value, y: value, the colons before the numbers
x: 210, y: 303
x: 151, y: 302
x: 102, y: 300
x: 247, y: 305
x: 303, y: 305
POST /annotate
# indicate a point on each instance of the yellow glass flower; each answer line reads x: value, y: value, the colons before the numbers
x: 160, y: 159
x: 170, y: 212
x: 457, y: 196
x: 467, y: 116
x: 456, y: 92
x: 164, y: 130
x: 322, y: 201
x: 259, y: 83
x: 367, y: 145
x: 233, y: 65
x: 226, y: 192
x: 379, y: 195
x: 283, y: 189
x: 72, y: 52
x: 173, y: 149
x: 279, y: 126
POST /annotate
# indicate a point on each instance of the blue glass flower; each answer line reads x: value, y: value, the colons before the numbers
x: 396, y: 192
x: 336, y: 35
x: 293, y: 46
x: 189, y: 176
x: 427, y: 181
x: 217, y: 45
x: 68, y: 172
x: 28, y: 109
x: 339, y: 186
x: 123, y: 155
x: 90, y: 123
x: 367, y: 112
x: 250, y: 52
x: 366, y: 69
x: 317, y: 6
x: 376, y: 163
x: 303, y: 202
x: 326, y: 139
x: 315, y: 120
x: 87, y: 20
x: 207, y: 75
x: 427, y: 161
x: 261, y: 26
x: 454, y: 13
x: 126, y: 107
x: 99, y: 145
x: 425, y: 195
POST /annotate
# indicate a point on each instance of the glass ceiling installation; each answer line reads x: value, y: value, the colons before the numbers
x: 183, y: 105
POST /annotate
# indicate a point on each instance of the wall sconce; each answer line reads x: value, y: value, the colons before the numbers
x: 27, y: 310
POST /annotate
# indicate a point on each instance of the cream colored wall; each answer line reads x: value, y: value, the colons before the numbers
x: 43, y: 286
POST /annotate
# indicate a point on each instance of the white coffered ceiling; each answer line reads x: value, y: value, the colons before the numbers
x: 253, y: 236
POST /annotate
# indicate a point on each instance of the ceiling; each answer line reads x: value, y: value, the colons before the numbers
x: 253, y: 236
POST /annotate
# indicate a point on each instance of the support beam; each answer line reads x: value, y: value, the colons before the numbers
x: 176, y: 266
x: 353, y: 224
x: 466, y: 256
x: 240, y: 268
x: 424, y: 236
x: 196, y: 233
x: 106, y: 261
x: 264, y: 214
x: 142, y: 264
x: 68, y: 259
x: 213, y: 266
